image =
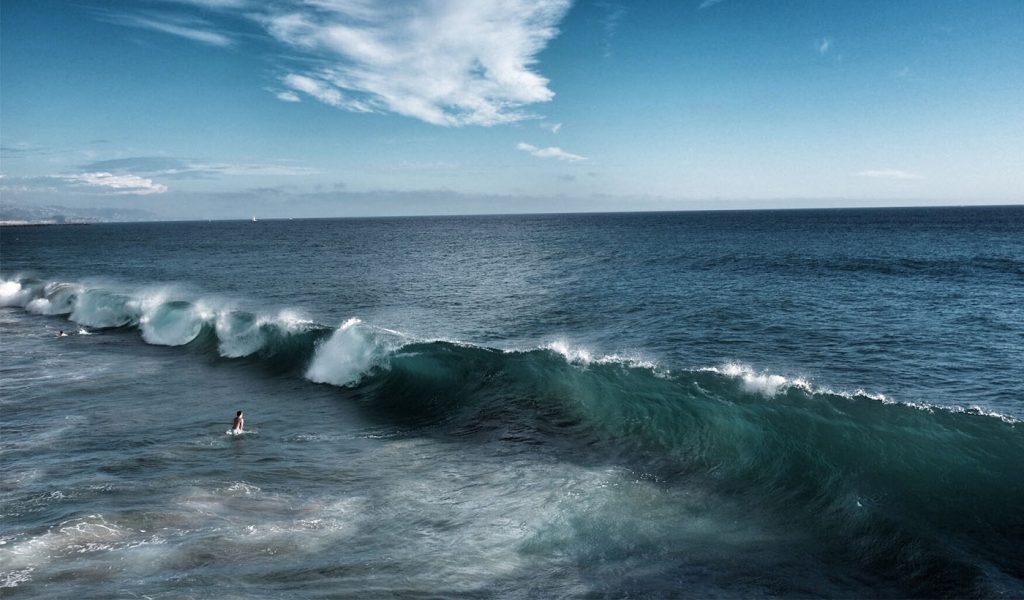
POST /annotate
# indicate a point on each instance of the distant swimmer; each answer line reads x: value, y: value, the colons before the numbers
x: 239, y: 423
x: 61, y: 333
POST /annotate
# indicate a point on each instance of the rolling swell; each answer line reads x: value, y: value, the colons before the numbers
x: 922, y: 497
x: 925, y: 498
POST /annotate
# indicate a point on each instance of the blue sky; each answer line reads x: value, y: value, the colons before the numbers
x: 300, y: 108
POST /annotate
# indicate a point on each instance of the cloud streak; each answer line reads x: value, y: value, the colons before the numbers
x: 889, y: 174
x: 614, y: 13
x: 183, y: 168
x: 549, y: 152
x: 120, y: 184
x: 190, y: 28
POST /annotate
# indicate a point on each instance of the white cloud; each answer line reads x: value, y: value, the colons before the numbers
x: 317, y: 89
x: 823, y: 45
x: 288, y: 96
x: 709, y: 3
x: 614, y: 13
x: 215, y: 4
x: 889, y: 174
x: 321, y: 90
x: 121, y: 184
x: 282, y: 170
x: 550, y: 152
x: 552, y: 127
x: 186, y: 168
x: 448, y: 62
x: 195, y: 29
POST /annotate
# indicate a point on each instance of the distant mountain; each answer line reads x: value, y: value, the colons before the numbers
x: 30, y: 215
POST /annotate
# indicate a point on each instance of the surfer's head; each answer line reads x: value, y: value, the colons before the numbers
x: 238, y: 414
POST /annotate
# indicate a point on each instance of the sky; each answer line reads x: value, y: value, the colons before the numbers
x: 211, y: 109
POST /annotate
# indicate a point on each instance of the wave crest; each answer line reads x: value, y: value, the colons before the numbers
x: 352, y: 351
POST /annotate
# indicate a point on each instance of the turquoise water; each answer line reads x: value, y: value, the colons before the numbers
x: 778, y: 403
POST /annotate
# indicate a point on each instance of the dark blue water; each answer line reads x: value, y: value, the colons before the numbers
x: 778, y: 403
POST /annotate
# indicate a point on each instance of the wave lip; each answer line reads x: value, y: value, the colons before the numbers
x: 346, y: 355
x: 766, y: 384
x: 352, y: 351
x: 581, y: 356
x: 173, y: 323
x: 103, y: 308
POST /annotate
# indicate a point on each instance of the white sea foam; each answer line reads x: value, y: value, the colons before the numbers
x: 39, y: 306
x: 288, y: 319
x: 351, y: 352
x: 13, y: 294
x: 583, y: 356
x: 978, y: 410
x: 12, y: 579
x: 768, y: 384
x: 237, y: 335
x: 57, y: 299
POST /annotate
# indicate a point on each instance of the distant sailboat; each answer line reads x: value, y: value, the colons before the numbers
x: 254, y: 219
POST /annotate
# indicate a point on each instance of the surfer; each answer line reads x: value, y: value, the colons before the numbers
x: 239, y: 423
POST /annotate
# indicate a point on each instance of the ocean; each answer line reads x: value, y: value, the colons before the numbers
x: 807, y: 403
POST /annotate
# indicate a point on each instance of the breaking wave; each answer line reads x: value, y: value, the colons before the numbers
x: 926, y: 495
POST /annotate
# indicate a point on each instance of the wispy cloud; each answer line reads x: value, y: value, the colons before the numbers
x: 550, y: 152
x: 447, y: 63
x: 22, y: 149
x: 216, y: 4
x: 823, y: 45
x: 613, y: 15
x: 321, y: 90
x: 317, y: 89
x: 191, y: 28
x: 89, y: 183
x: 889, y: 174
x: 709, y: 3
x: 552, y: 127
x: 120, y: 184
x: 184, y: 168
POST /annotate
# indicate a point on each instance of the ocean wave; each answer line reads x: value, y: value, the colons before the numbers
x: 901, y: 483
x: 163, y: 315
x: 352, y: 351
x: 345, y: 355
